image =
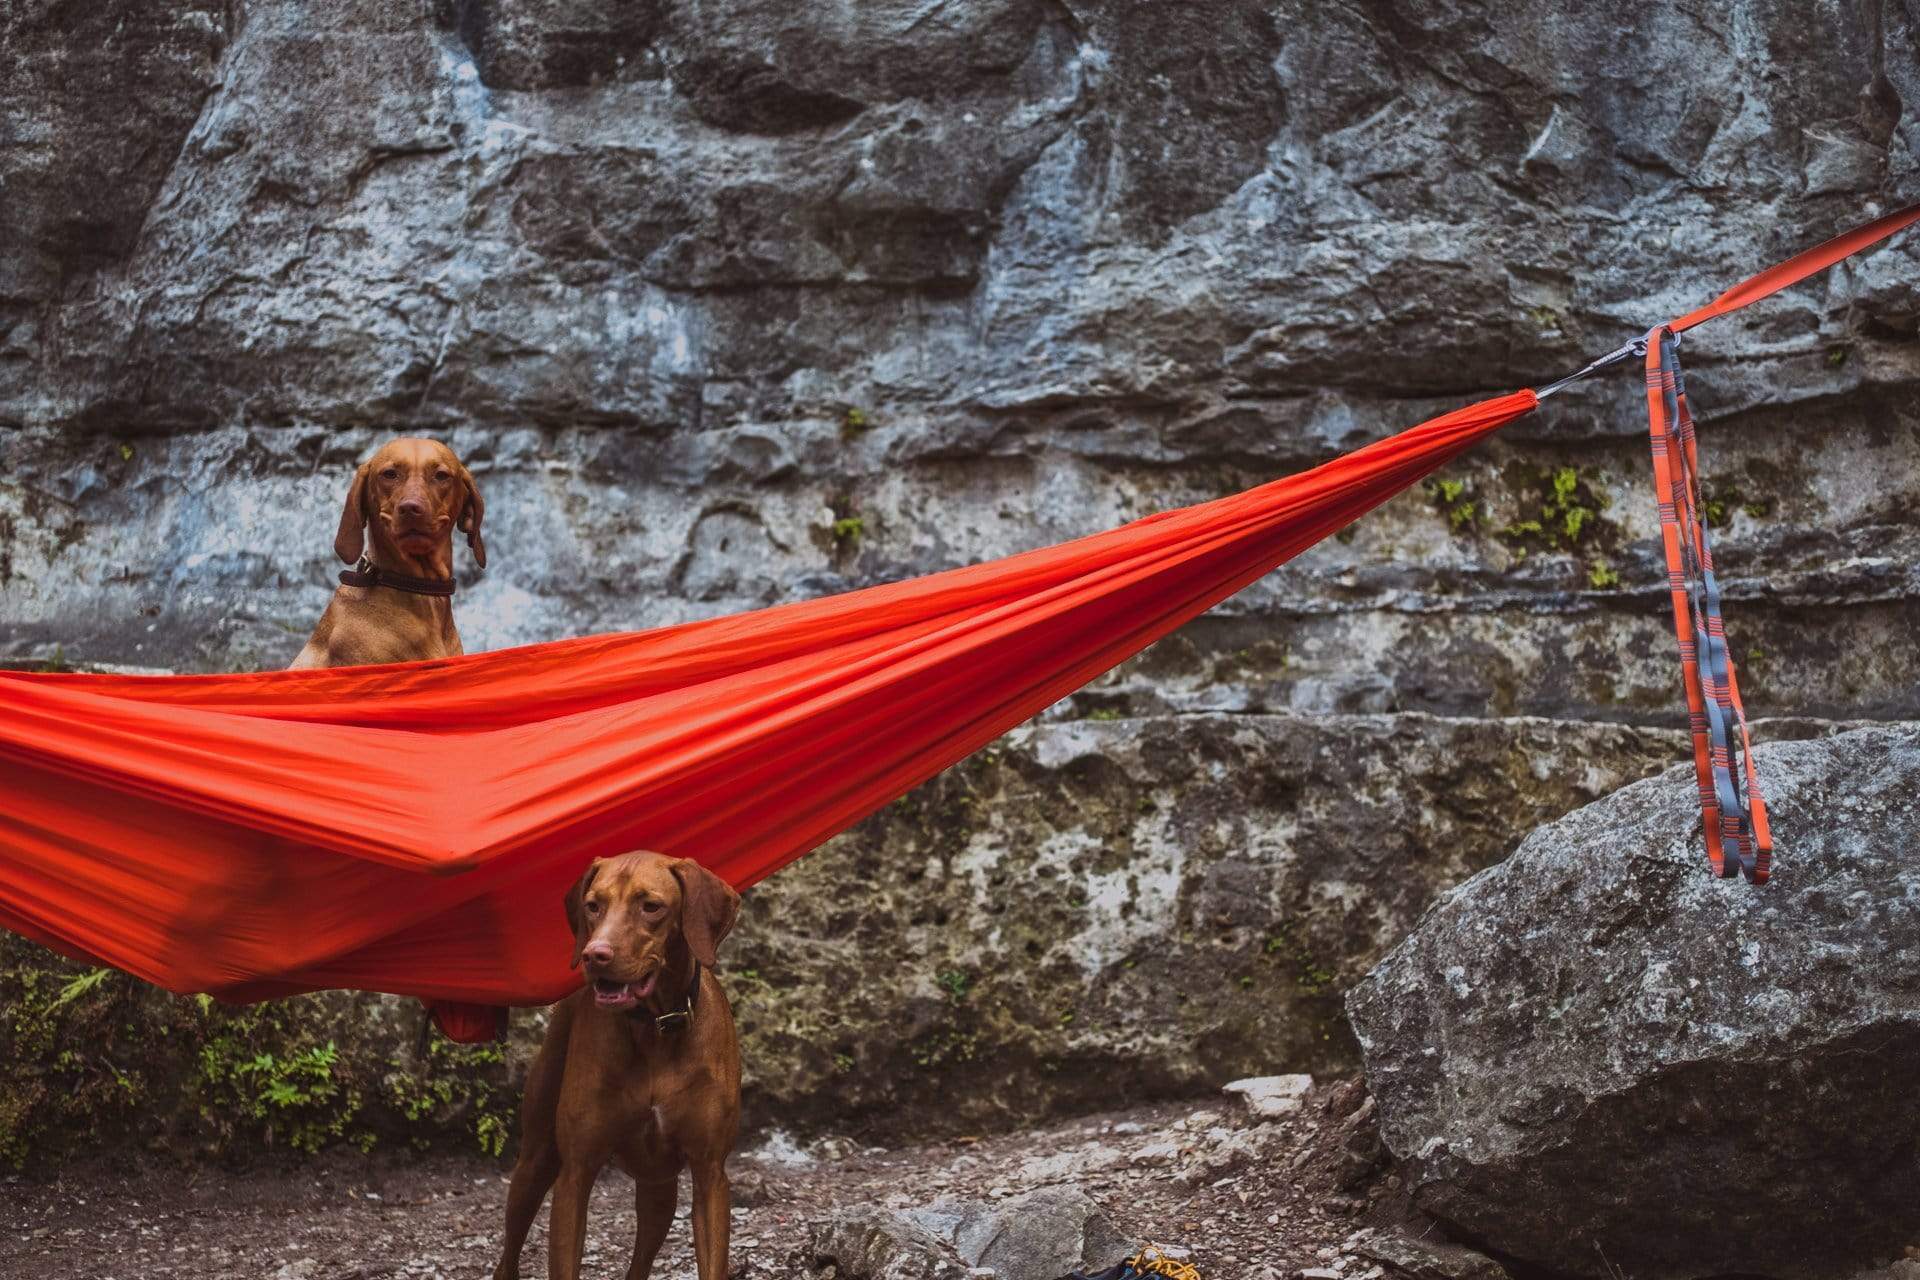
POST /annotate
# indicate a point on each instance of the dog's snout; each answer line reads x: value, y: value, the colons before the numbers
x: 597, y: 952
x: 412, y: 508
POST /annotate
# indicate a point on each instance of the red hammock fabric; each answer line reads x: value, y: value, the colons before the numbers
x: 411, y: 828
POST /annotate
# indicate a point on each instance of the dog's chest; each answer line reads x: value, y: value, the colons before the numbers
x: 647, y: 1105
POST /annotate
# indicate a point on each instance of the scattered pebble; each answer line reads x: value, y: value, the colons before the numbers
x: 1241, y: 1198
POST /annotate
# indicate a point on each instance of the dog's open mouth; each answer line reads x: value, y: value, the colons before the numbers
x: 609, y: 994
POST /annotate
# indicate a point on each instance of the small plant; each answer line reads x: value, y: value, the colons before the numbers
x: 295, y: 1097
x: 856, y: 422
x: 1836, y: 356
x: 955, y: 982
x: 847, y: 531
x: 1601, y: 575
x: 1568, y: 515
x: 491, y: 1129
x: 1106, y: 713
x: 126, y: 452
x: 1718, y: 502
x: 455, y: 1081
x: 945, y: 1048
x: 1452, y: 497
x: 1310, y: 976
x: 80, y: 986
x: 57, y: 663
x: 843, y: 1062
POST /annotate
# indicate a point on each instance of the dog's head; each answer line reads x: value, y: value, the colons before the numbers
x: 410, y: 497
x: 629, y: 913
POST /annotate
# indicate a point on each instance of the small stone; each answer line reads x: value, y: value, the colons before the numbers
x: 1272, y: 1097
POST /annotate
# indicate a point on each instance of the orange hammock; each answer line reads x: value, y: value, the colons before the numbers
x: 412, y: 828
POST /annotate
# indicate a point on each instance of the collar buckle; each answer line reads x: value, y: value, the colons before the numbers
x: 679, y: 1019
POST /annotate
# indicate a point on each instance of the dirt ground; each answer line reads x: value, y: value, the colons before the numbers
x: 1243, y: 1199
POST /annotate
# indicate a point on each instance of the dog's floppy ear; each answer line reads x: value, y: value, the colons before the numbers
x: 351, y: 540
x: 471, y: 513
x: 576, y: 908
x: 708, y: 907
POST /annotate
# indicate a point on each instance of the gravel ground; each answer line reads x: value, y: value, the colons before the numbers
x: 1242, y: 1199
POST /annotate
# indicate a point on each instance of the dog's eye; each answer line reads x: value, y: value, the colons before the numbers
x: 390, y: 473
x: 443, y: 476
x: 593, y: 907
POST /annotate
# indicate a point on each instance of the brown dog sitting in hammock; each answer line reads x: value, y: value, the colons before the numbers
x: 639, y: 1068
x: 396, y: 603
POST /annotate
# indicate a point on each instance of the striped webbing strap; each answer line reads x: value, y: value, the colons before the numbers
x: 1734, y: 813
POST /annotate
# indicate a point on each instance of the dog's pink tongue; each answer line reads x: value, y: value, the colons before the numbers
x: 645, y: 989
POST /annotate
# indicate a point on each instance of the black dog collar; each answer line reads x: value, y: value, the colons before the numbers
x: 368, y: 574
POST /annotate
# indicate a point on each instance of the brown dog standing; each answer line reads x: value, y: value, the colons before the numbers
x: 639, y: 1068
x: 396, y: 604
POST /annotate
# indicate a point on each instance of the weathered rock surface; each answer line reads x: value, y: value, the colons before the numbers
x: 1595, y: 1056
x: 685, y: 282
x: 1041, y: 1235
x: 1271, y: 1097
x: 1101, y: 911
x: 867, y: 1242
x: 1405, y: 1257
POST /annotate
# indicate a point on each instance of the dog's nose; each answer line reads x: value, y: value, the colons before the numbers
x: 597, y: 953
x: 413, y: 508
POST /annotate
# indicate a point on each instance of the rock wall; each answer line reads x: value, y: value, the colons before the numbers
x: 729, y: 302
x: 681, y: 280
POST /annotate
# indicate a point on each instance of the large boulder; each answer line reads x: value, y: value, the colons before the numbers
x: 1598, y: 1058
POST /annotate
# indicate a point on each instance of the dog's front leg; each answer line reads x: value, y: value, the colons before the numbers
x: 567, y: 1225
x: 653, y: 1206
x: 712, y: 1207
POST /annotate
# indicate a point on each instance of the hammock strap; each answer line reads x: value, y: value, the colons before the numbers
x: 1734, y: 813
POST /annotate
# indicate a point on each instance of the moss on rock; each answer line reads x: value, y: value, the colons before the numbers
x: 95, y: 1059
